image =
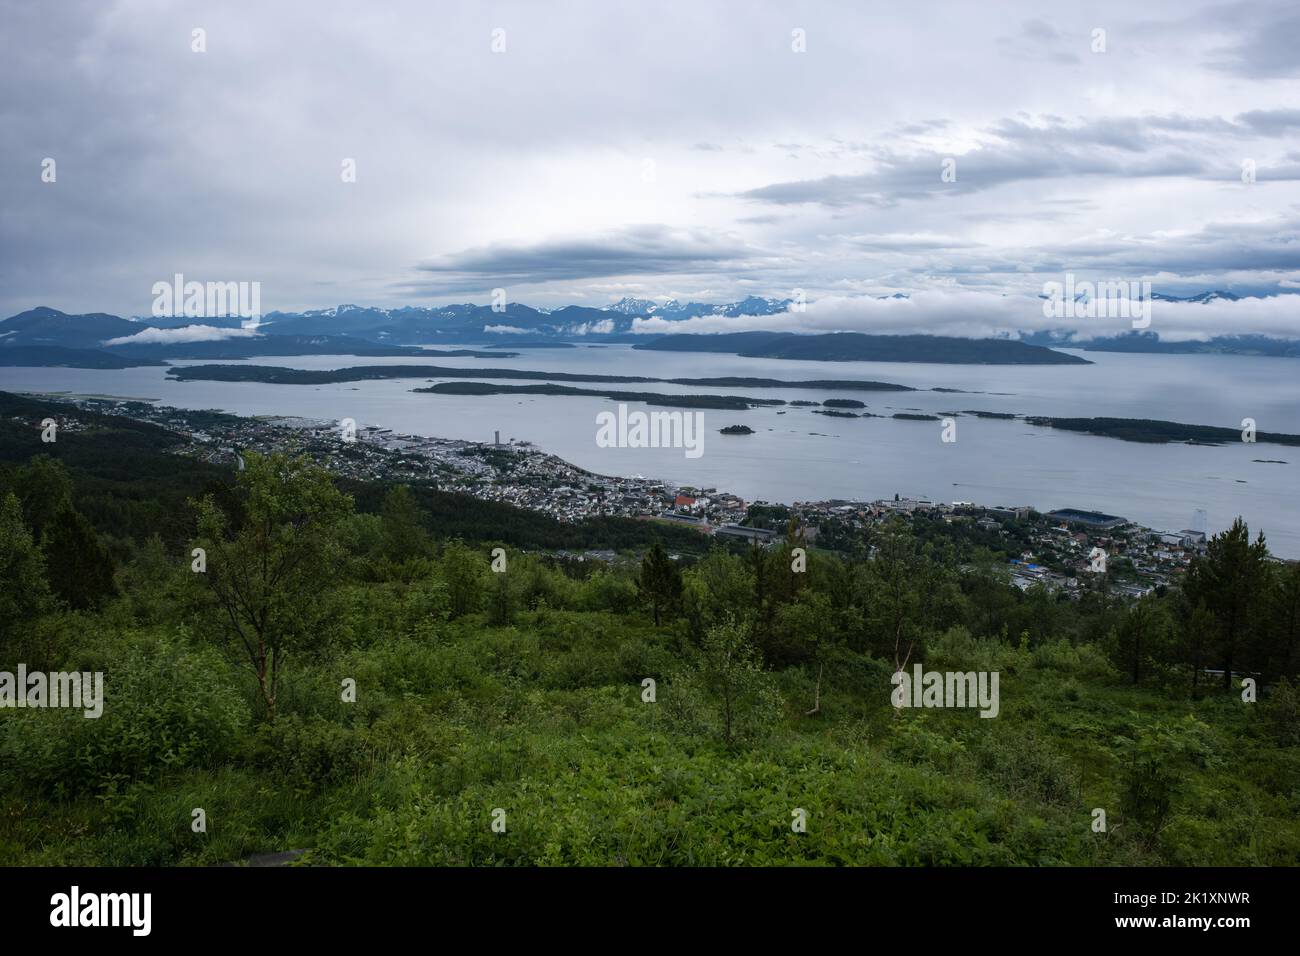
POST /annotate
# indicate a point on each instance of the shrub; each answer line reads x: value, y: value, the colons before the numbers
x: 165, y: 706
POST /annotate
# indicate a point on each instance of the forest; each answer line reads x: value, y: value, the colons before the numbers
x: 380, y: 674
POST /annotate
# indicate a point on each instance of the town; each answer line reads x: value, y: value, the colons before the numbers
x: 1067, y: 551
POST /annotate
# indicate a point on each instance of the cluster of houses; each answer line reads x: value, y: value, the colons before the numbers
x: 1058, y: 550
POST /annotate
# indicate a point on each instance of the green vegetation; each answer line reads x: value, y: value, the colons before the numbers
x: 350, y: 676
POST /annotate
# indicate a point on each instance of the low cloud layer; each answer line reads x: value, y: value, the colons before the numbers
x: 968, y: 314
x: 183, y: 335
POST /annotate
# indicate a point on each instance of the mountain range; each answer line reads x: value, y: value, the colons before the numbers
x: 47, y: 337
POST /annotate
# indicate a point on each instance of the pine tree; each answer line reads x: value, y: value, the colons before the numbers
x: 660, y: 581
x: 404, y: 533
x: 1230, y: 581
x: 1283, y: 628
x: 462, y: 570
x: 44, y: 490
x: 80, y: 569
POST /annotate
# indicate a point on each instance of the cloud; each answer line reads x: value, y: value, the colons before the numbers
x: 1017, y: 151
x: 1266, y: 44
x: 643, y: 249
x: 476, y: 171
x: 603, y: 327
x: 184, y: 334
x: 972, y: 314
x: 1271, y: 122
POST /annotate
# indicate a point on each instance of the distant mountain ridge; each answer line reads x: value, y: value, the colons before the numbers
x: 1148, y: 342
x: 406, y: 325
x: 369, y: 330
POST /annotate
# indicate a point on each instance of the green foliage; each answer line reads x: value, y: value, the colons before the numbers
x: 44, y: 489
x: 716, y: 590
x: 1154, y: 763
x: 24, y: 592
x: 660, y: 581
x: 404, y: 535
x: 464, y: 572
x: 1229, y: 581
x: 1280, y: 713
x: 726, y: 695
x: 1082, y: 660
x: 523, y: 691
x: 79, y: 568
x: 165, y: 706
x: 608, y: 591
x: 271, y: 562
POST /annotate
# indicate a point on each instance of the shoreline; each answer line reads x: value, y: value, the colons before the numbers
x: 536, y: 480
x: 440, y: 455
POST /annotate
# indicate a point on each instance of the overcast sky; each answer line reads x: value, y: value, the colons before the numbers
x: 674, y: 149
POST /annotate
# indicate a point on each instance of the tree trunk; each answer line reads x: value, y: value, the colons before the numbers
x: 817, y: 694
x: 726, y: 708
x: 1227, y: 659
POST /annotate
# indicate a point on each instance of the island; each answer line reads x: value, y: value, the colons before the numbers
x: 1156, y: 431
x: 862, y: 347
x: 736, y: 430
x: 279, y: 375
x: 734, y: 402
x: 55, y: 356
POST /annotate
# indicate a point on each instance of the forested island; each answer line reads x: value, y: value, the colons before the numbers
x: 54, y: 356
x: 1149, y: 430
x: 861, y: 347
x: 734, y: 402
x: 278, y: 375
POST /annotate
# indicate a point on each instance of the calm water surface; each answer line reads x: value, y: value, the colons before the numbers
x: 799, y: 456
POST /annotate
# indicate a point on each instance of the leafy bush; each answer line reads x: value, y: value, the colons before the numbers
x: 310, y: 753
x: 1280, y: 713
x: 608, y: 591
x: 1082, y: 660
x: 165, y: 706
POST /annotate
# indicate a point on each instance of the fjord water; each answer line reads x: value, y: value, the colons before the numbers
x: 801, y: 456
